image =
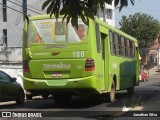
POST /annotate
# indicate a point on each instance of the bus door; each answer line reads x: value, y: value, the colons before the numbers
x: 102, y: 49
x: 105, y: 59
x: 100, y: 59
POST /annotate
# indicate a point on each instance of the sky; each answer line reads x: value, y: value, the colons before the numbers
x: 150, y: 7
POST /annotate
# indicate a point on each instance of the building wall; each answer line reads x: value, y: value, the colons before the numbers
x: 104, y: 16
x: 14, y: 26
x: 111, y: 21
x: 11, y: 55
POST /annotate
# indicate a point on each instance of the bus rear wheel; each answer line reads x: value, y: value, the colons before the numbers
x: 112, y: 92
x: 111, y: 96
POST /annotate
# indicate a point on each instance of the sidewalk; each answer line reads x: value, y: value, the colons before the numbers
x: 154, y: 103
x: 153, y: 71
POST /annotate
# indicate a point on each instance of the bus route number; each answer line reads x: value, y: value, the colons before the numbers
x: 78, y: 54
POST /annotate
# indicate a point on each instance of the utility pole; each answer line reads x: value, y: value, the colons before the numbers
x: 158, y: 49
x: 24, y: 7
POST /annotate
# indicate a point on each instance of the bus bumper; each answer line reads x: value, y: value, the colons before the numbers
x: 78, y: 83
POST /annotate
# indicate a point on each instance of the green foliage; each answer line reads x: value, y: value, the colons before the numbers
x: 72, y: 9
x: 141, y: 26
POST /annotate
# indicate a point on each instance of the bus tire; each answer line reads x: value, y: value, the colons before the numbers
x: 62, y: 98
x: 130, y: 90
x: 111, y: 96
x: 112, y: 92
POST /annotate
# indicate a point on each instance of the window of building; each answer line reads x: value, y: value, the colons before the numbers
x: 108, y: 13
x: 4, y: 10
x: 5, y: 36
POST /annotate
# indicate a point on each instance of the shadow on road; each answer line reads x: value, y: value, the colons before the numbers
x: 122, y: 99
x: 92, y: 107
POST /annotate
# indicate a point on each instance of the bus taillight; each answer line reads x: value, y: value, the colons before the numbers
x: 89, y: 66
x: 25, y: 66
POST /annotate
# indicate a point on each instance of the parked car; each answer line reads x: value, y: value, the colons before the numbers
x: 144, y: 75
x: 10, y: 89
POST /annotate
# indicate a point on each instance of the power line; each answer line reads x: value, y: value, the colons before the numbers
x: 32, y: 6
x: 13, y: 9
x: 21, y: 6
x: 141, y: 9
x: 29, y: 5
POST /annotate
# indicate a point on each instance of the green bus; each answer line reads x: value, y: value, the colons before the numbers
x: 63, y: 61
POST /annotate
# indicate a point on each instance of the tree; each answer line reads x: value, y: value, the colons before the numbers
x: 72, y: 9
x: 141, y: 26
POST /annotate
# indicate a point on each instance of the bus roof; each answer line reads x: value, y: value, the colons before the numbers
x: 38, y: 17
x: 115, y: 29
x: 97, y: 20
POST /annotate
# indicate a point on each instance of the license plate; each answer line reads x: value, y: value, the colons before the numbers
x: 57, y: 75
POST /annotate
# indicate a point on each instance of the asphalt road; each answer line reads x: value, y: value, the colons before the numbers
x: 89, y: 106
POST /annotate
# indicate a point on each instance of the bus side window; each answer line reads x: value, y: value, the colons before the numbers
x: 116, y: 44
x: 103, y: 36
x: 122, y: 46
x: 98, y: 38
x: 125, y: 43
x: 128, y: 48
x: 111, y: 42
x: 131, y: 49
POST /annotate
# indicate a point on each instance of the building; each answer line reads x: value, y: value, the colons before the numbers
x: 11, y: 20
x: 153, y: 55
x: 11, y: 28
x: 108, y: 15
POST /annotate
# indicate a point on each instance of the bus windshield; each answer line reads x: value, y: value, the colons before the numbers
x: 52, y: 31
